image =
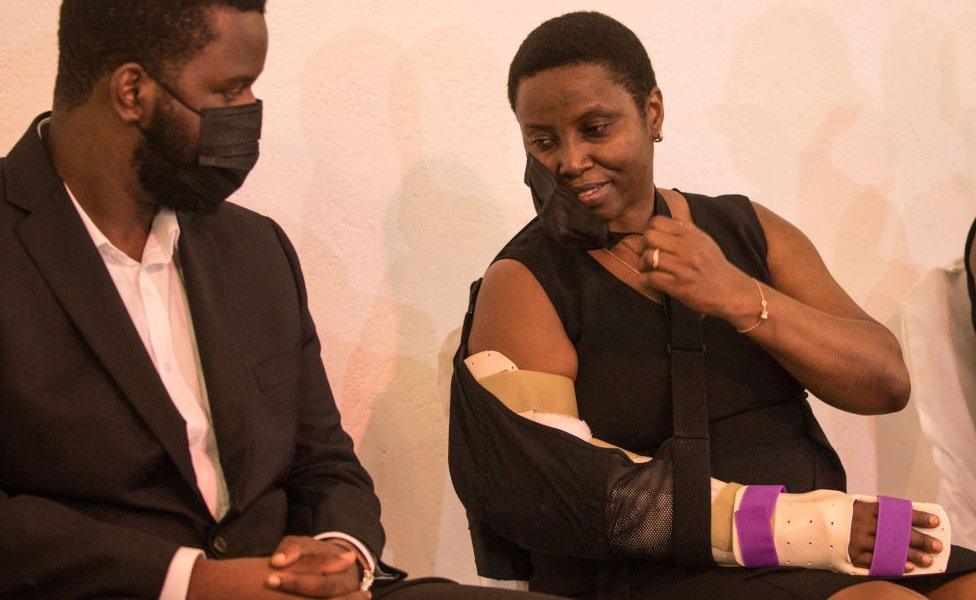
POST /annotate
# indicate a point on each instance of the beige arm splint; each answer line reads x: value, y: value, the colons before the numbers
x: 810, y: 530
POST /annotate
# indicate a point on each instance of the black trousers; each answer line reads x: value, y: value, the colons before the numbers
x: 433, y: 588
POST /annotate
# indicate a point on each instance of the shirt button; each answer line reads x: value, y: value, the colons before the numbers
x: 219, y: 545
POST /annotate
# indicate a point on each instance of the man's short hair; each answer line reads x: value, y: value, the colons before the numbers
x: 582, y: 38
x: 97, y: 36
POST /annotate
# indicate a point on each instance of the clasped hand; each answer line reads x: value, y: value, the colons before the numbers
x: 316, y: 569
x: 301, y: 567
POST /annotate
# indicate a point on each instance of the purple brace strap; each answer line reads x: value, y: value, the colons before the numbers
x: 752, y: 524
x: 894, y: 533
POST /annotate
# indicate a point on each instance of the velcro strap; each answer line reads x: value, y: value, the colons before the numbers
x: 722, y: 508
x: 894, y: 534
x: 752, y: 522
x: 520, y: 391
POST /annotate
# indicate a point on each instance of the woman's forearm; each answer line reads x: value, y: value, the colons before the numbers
x: 852, y: 364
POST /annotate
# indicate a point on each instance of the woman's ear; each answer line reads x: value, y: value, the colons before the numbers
x: 654, y: 113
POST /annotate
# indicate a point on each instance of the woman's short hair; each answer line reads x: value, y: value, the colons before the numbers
x: 580, y: 38
x: 97, y: 36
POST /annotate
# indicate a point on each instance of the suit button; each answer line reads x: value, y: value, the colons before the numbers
x: 220, y: 545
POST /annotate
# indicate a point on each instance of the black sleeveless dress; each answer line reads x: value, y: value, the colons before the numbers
x: 761, y: 427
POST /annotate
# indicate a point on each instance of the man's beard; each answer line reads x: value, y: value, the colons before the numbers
x: 160, y: 157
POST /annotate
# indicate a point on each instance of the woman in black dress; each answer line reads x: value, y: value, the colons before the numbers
x: 584, y: 94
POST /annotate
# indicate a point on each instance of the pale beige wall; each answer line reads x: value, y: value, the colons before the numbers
x: 392, y: 160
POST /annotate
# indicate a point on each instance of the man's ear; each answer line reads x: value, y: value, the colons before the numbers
x: 131, y: 92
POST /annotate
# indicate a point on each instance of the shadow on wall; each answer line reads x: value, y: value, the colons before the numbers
x: 408, y: 231
x: 343, y: 209
x: 406, y: 443
x: 929, y: 97
x: 819, y: 148
x: 920, y: 49
x: 27, y: 81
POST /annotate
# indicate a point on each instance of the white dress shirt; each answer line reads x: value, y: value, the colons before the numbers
x: 155, y: 297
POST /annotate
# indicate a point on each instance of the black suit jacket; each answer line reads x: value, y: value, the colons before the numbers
x: 97, y: 490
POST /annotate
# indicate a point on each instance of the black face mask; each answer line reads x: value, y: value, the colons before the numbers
x: 564, y: 218
x: 228, y: 150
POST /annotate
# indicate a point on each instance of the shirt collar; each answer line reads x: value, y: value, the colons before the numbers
x: 160, y: 247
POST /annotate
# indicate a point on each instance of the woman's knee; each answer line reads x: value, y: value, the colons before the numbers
x: 872, y: 590
x: 962, y: 587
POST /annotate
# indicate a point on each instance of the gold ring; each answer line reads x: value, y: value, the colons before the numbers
x: 655, y: 258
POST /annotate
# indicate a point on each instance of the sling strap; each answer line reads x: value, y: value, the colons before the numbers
x: 691, y: 538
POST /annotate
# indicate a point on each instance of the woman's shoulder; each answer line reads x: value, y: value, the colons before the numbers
x: 725, y: 209
x: 548, y: 260
x: 531, y: 244
x: 542, y: 262
x: 732, y: 221
x: 522, y: 306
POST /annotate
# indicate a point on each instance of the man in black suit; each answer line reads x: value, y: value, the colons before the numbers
x: 166, y: 425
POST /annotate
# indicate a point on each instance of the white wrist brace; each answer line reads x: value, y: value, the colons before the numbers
x: 813, y: 531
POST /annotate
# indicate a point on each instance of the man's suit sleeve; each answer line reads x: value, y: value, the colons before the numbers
x: 328, y: 489
x: 48, y: 550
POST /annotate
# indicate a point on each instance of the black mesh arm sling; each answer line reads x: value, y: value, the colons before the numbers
x: 528, y: 487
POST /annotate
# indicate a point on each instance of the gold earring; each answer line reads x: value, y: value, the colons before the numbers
x: 658, y: 137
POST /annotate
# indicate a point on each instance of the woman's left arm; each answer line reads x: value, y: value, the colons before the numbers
x: 815, y: 330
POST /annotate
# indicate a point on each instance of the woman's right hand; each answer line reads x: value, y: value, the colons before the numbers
x: 864, y: 527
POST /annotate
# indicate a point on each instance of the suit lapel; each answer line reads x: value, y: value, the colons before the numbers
x: 210, y: 306
x: 63, y: 252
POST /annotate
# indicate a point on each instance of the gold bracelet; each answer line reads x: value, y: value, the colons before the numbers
x: 764, y: 314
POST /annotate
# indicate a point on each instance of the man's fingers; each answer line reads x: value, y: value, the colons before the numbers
x: 315, y: 586
x: 339, y: 563
x: 288, y: 551
x: 328, y: 557
x: 324, y: 564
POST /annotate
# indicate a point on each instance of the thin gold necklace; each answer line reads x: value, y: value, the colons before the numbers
x: 620, y: 260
